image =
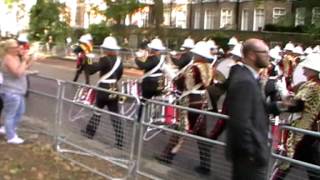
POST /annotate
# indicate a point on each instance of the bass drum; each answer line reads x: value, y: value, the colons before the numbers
x: 298, y: 76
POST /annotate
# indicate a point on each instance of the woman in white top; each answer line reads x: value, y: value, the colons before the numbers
x: 15, y: 62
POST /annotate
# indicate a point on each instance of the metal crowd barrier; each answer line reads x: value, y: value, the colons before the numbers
x: 144, y: 139
x: 73, y: 142
x: 151, y: 160
x: 299, y: 169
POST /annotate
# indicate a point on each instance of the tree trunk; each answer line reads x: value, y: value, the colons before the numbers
x: 158, y: 12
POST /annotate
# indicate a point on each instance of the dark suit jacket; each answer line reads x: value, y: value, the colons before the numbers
x: 248, y: 126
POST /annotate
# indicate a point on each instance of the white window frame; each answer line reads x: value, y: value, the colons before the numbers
x: 225, y: 17
x: 245, y: 27
x: 315, y: 15
x: 255, y: 19
x: 300, y: 16
x: 208, y: 19
x: 277, y: 16
x: 196, y: 19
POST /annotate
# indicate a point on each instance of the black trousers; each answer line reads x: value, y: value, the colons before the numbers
x: 197, y: 128
x: 246, y: 169
x: 103, y: 99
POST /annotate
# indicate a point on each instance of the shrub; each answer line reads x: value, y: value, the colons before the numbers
x: 99, y: 32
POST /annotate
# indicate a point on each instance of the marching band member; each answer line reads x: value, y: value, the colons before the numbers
x: 233, y: 41
x: 83, y: 62
x: 153, y: 80
x: 307, y: 102
x: 213, y: 50
x: 275, y: 57
x: 218, y: 88
x: 185, y: 56
x: 183, y: 62
x: 287, y: 64
x: 110, y: 67
x: 196, y: 78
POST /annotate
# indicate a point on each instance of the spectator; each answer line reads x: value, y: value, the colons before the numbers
x: 14, y: 87
x: 247, y: 128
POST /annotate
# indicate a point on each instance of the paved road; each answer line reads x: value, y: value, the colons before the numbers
x: 41, y: 107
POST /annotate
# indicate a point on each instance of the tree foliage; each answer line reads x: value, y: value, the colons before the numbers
x: 118, y: 10
x: 46, y: 20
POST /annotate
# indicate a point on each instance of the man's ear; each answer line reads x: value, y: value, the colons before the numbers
x: 251, y: 55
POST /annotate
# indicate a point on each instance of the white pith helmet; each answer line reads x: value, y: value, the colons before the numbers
x: 278, y: 48
x: 237, y: 50
x: 156, y: 44
x: 202, y: 49
x: 188, y: 43
x: 23, y: 38
x: 312, y: 61
x: 316, y: 49
x: 84, y: 39
x: 233, y: 41
x: 289, y: 47
x: 308, y: 50
x: 274, y: 53
x: 88, y: 36
x: 298, y: 50
x: 212, y: 44
x: 110, y: 43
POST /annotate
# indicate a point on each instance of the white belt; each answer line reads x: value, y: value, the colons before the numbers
x: 198, y: 92
x: 108, y: 81
x: 155, y: 75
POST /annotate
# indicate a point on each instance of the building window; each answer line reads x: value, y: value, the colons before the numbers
x: 258, y: 21
x: 277, y: 14
x: 196, y: 21
x: 166, y: 17
x: 315, y: 15
x: 245, y: 20
x: 226, y: 18
x: 300, y: 16
x: 208, y: 19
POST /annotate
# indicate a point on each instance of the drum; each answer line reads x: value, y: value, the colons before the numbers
x: 85, y: 95
x: 163, y: 115
x: 279, y: 136
x: 131, y: 87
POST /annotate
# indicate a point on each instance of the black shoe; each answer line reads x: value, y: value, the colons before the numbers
x: 162, y: 159
x: 202, y: 170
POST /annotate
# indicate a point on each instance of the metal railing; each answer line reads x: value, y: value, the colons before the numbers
x: 144, y: 140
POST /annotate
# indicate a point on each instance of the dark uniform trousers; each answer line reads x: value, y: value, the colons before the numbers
x: 105, y: 99
x: 197, y: 126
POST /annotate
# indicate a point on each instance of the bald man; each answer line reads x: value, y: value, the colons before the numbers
x: 247, y: 129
